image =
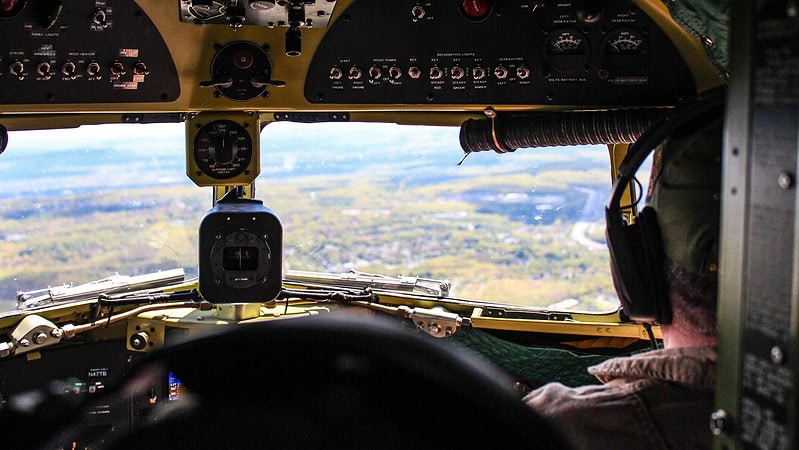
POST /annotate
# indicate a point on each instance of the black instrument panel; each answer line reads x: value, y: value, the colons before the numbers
x: 516, y: 52
x: 83, y: 51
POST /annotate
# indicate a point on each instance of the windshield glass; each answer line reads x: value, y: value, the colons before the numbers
x: 524, y: 228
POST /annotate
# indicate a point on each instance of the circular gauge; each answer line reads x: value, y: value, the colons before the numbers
x: 244, y: 67
x: 624, y: 49
x: 10, y: 8
x: 566, y: 49
x: 223, y: 149
x: 240, y: 258
x: 625, y: 42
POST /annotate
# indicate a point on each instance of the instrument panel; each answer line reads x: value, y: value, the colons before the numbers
x: 83, y: 51
x: 510, y: 52
x: 197, y: 55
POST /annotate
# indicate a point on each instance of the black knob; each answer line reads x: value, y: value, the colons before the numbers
x: 589, y: 11
x: 100, y: 18
x: 139, y: 341
x: 68, y: 69
x: 118, y: 69
x: 293, y: 41
x: 17, y: 69
x: 93, y: 69
x: 140, y: 69
x: 236, y: 15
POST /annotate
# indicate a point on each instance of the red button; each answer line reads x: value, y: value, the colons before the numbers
x: 476, y: 9
x: 7, y: 5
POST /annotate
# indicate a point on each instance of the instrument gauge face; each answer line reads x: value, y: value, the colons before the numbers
x: 625, y: 49
x: 223, y: 149
x: 566, y: 49
x: 625, y: 42
x: 240, y: 258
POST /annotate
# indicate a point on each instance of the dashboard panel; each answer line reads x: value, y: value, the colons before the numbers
x: 86, y: 51
x: 433, y: 55
x: 528, y: 51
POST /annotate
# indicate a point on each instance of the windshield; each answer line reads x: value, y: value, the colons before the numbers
x: 525, y: 228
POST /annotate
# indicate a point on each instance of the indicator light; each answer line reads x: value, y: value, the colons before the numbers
x: 476, y: 9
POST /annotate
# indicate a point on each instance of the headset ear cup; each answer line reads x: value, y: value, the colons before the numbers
x: 636, y: 256
x: 653, y: 264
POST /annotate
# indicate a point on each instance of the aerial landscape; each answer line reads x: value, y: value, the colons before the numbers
x: 524, y: 228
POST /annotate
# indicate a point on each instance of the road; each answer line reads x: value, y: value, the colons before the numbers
x: 593, y: 212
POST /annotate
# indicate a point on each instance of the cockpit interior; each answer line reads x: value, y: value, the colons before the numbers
x: 256, y: 336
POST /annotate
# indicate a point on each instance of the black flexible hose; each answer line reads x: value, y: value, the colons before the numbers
x: 508, y: 132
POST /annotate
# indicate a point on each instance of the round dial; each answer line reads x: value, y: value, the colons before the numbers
x: 625, y: 41
x: 566, y: 49
x: 240, y: 258
x: 223, y: 149
x: 624, y: 49
x: 245, y: 67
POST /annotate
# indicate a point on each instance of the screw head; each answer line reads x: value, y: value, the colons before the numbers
x: 776, y: 355
x: 718, y: 422
x: 785, y: 180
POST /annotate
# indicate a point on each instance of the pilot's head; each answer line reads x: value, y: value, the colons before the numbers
x: 685, y: 191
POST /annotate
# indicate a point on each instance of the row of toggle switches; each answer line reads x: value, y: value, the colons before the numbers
x: 436, y: 73
x: 93, y: 69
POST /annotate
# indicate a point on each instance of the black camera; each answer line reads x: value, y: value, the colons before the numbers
x: 241, y: 252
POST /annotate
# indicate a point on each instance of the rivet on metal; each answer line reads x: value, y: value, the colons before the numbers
x: 776, y: 355
x: 785, y: 180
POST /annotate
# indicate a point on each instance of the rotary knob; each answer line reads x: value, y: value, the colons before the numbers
x: 139, y: 341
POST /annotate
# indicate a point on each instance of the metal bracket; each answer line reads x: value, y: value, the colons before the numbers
x: 31, y: 333
x: 436, y: 322
x: 145, y: 335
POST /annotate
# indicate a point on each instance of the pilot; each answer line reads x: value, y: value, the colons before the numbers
x: 661, y: 399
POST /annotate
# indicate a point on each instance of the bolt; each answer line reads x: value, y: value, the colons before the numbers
x: 776, y: 355
x: 718, y: 422
x: 434, y: 329
x: 785, y: 180
x: 24, y: 343
x: 56, y: 333
x: 39, y: 338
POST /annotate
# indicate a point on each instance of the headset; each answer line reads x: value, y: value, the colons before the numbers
x: 636, y: 247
